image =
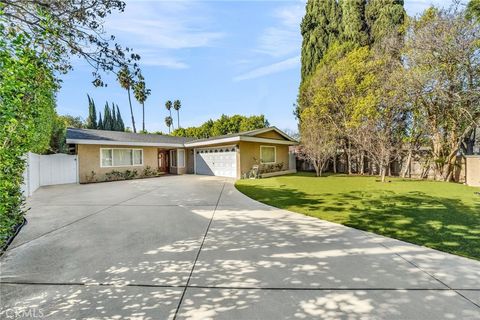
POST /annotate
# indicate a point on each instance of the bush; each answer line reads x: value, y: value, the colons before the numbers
x: 27, y: 107
x: 149, y: 172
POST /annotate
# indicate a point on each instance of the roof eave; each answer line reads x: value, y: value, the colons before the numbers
x: 125, y: 143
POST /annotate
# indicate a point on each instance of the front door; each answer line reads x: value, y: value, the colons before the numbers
x: 163, y: 161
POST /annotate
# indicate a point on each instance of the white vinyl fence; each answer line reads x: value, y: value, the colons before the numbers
x: 45, y: 170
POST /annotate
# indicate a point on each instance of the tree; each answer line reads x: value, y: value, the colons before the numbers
x: 473, y: 10
x: 224, y: 125
x: 59, y: 29
x: 91, y: 122
x: 443, y: 81
x: 125, y: 80
x: 107, y: 118
x: 114, y: 119
x: 177, y: 105
x: 168, y: 106
x: 319, y: 140
x: 121, y: 125
x: 141, y: 93
x: 100, y: 122
x: 320, y: 27
x: 385, y: 18
x: 168, y: 122
x: 354, y: 24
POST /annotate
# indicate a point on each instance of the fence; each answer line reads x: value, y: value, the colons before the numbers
x: 45, y: 170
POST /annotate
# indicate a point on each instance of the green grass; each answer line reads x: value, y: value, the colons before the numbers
x: 439, y: 215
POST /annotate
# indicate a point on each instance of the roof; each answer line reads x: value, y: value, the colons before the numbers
x: 91, y: 136
x: 244, y: 136
x: 105, y: 137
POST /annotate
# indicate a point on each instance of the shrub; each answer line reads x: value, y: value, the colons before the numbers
x: 27, y: 107
x: 130, y: 174
x: 149, y: 172
x: 114, y: 175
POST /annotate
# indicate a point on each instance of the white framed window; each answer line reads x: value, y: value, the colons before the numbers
x: 120, y: 157
x: 268, y: 154
x: 177, y: 158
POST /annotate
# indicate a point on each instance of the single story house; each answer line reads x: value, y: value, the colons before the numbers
x: 233, y: 155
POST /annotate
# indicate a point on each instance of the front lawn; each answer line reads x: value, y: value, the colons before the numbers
x: 439, y: 215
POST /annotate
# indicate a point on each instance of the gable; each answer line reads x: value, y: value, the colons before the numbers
x: 270, y: 135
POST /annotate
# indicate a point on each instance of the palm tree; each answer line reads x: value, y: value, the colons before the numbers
x: 177, y: 105
x: 141, y: 93
x: 169, y: 122
x: 126, y: 82
x: 168, y: 105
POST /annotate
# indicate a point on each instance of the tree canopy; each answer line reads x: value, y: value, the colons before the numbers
x: 224, y: 125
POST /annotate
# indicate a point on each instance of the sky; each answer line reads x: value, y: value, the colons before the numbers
x: 217, y: 57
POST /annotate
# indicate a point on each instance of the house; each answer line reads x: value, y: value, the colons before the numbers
x: 100, y: 152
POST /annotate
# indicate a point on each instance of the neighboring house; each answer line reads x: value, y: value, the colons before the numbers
x: 232, y: 155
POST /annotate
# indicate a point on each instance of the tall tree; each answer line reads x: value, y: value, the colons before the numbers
x: 177, y: 105
x: 107, y: 118
x: 121, y: 125
x: 91, y: 122
x: 384, y: 18
x: 100, y: 121
x: 114, y: 119
x: 169, y: 123
x: 320, y: 27
x: 141, y: 93
x: 354, y: 24
x: 125, y: 80
x: 168, y: 106
x: 443, y: 81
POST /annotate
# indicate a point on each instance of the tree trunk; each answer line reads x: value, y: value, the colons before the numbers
x: 383, y: 171
x: 318, y: 170
x: 408, y: 164
x: 335, y: 164
x: 178, y: 119
x: 362, y: 163
x: 131, y: 111
x: 143, y: 116
x: 349, y: 158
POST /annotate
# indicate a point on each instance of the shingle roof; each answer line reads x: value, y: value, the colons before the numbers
x: 79, y: 136
x: 117, y: 136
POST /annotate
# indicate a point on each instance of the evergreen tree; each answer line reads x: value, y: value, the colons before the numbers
x: 384, y: 17
x: 121, y: 125
x: 114, y: 119
x: 320, y: 27
x: 100, y: 121
x: 91, y: 122
x: 354, y: 24
x: 107, y: 118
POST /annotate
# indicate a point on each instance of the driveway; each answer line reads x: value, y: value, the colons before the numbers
x: 192, y: 247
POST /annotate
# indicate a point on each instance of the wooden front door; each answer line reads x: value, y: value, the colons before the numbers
x: 163, y: 161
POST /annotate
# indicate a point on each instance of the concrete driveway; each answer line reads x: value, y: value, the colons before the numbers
x: 192, y: 247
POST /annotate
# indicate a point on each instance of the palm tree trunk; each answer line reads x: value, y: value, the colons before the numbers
x: 131, y: 111
x: 172, y: 119
x: 178, y: 119
x: 143, y: 116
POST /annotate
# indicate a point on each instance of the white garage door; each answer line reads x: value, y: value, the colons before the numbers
x: 219, y: 161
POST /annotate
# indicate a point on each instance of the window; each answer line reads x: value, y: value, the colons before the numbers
x: 177, y: 158
x: 268, y: 154
x: 121, y: 157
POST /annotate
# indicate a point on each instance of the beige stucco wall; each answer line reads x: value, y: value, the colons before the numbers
x: 473, y: 171
x: 250, y: 155
x: 89, y: 160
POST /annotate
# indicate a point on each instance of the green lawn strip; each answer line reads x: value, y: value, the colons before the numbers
x: 439, y: 215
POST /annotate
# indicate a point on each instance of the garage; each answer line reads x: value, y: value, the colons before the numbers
x: 218, y: 161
